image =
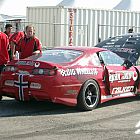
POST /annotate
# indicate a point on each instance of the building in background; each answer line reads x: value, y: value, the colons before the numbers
x: 89, y: 25
x: 88, y: 22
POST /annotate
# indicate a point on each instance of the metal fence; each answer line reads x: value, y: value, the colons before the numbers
x: 106, y: 31
x: 57, y: 34
x: 54, y: 34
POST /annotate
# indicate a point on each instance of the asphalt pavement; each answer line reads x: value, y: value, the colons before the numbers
x: 113, y: 120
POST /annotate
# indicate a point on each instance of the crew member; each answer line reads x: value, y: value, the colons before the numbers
x: 8, y: 32
x: 29, y: 44
x: 14, y: 39
x: 4, y: 56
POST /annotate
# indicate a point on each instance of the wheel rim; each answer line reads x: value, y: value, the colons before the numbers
x: 91, y: 95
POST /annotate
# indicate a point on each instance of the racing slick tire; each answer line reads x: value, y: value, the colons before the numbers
x: 89, y: 96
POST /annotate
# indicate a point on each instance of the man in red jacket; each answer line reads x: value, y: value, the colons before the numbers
x: 8, y: 32
x: 29, y: 44
x: 14, y: 39
x: 4, y: 56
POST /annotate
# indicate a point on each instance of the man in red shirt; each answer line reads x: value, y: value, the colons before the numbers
x: 8, y: 32
x: 14, y: 39
x: 4, y: 56
x: 29, y: 44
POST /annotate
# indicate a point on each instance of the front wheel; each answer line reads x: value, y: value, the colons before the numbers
x: 89, y: 96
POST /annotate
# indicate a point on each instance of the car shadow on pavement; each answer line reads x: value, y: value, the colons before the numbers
x: 119, y: 101
x: 12, y: 108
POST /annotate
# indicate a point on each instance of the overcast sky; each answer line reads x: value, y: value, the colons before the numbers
x: 18, y: 7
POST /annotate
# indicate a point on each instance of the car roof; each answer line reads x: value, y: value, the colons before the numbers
x: 81, y: 48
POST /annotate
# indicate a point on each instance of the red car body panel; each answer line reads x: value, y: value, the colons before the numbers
x: 64, y: 86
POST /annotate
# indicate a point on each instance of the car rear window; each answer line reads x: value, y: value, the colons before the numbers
x: 59, y: 56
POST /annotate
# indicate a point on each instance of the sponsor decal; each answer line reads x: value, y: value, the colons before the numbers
x: 37, y: 64
x: 83, y: 71
x: 78, y: 71
x: 68, y: 72
x: 118, y: 90
x: 117, y: 95
x: 114, y: 77
x: 28, y: 63
x: 122, y: 76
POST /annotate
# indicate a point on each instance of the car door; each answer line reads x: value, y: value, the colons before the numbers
x: 119, y: 77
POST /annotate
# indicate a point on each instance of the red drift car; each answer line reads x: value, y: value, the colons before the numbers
x: 74, y: 76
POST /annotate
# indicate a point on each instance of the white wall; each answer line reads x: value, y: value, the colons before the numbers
x: 86, y: 21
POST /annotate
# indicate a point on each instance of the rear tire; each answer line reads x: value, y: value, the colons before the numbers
x: 89, y: 96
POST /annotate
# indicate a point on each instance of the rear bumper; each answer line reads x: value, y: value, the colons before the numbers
x: 25, y: 88
x: 39, y: 95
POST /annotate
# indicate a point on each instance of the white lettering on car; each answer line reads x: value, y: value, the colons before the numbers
x: 81, y: 71
x: 114, y: 77
x: 122, y: 76
x: 118, y: 90
x: 29, y: 63
x: 68, y: 72
x: 78, y: 71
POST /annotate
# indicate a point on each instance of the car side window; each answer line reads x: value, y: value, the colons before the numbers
x: 95, y: 60
x: 110, y: 58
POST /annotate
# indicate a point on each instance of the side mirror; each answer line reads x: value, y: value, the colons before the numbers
x: 127, y: 64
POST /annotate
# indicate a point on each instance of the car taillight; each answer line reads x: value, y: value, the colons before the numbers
x: 10, y: 68
x: 48, y: 72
